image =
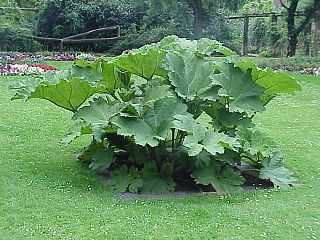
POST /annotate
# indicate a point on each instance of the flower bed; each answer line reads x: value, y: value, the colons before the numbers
x: 28, y: 64
x: 303, y: 65
x: 14, y: 57
x: 22, y: 69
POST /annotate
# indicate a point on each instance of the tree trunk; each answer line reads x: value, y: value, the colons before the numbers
x: 292, y: 45
x: 307, y: 39
x: 197, y: 9
x: 274, y: 35
x: 22, y: 3
x: 245, y: 36
x: 292, y: 36
x: 316, y: 43
x: 293, y: 32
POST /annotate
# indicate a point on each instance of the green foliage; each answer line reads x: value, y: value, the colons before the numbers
x: 63, y: 88
x: 261, y: 6
x: 172, y: 113
x: 123, y: 179
x: 274, y: 171
x: 15, y: 25
x: 62, y: 18
x: 102, y: 159
x: 222, y: 179
x: 289, y: 64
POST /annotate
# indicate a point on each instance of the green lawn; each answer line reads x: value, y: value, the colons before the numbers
x: 46, y: 194
x: 58, y: 64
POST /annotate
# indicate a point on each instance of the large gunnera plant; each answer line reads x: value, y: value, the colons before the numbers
x: 170, y: 114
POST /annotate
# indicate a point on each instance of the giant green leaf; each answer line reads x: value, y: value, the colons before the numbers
x: 202, y: 138
x: 188, y: 73
x: 98, y: 114
x: 274, y: 171
x: 256, y: 142
x: 222, y: 179
x: 202, y: 160
x: 124, y: 179
x: 244, y: 94
x: 154, y: 182
x: 155, y: 123
x: 273, y: 82
x: 203, y: 46
x: 60, y: 88
x: 207, y: 46
x: 78, y: 129
x: 113, y: 77
x: 142, y: 133
x: 229, y: 156
x: 174, y: 43
x: 161, y: 117
x: 187, y: 124
x: 223, y: 120
x: 277, y: 83
x: 102, y: 159
x: 155, y: 93
x: 192, y: 143
x: 144, y: 62
x: 215, y: 142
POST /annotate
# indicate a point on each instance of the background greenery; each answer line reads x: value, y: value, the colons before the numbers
x: 140, y: 23
x: 46, y: 194
x: 146, y: 21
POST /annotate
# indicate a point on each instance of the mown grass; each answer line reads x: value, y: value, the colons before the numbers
x: 46, y: 194
x: 61, y: 65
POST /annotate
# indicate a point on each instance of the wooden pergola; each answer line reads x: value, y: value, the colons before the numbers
x: 21, y: 9
x: 246, y: 17
x: 71, y: 39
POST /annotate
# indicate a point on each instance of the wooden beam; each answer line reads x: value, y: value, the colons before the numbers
x: 245, y: 35
x: 93, y: 31
x: 64, y: 40
x: 44, y: 39
x: 91, y: 40
x: 22, y: 9
x: 255, y: 15
x: 71, y: 39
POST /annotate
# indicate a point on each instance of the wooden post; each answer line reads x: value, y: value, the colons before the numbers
x: 316, y: 41
x: 274, y: 35
x: 118, y: 31
x: 245, y: 35
x: 31, y: 45
x: 307, y: 39
x: 61, y: 46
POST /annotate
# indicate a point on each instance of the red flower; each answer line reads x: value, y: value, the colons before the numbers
x: 44, y: 67
x: 20, y: 58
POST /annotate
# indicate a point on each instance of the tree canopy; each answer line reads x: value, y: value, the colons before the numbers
x: 198, y: 8
x: 310, y: 9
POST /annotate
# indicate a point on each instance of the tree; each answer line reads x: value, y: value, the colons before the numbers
x: 198, y: 8
x: 294, y: 27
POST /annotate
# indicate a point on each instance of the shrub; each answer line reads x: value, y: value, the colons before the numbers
x: 168, y: 114
x: 290, y: 64
x: 13, y: 39
x: 65, y: 18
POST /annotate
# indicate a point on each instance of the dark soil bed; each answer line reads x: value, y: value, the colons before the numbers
x: 252, y: 183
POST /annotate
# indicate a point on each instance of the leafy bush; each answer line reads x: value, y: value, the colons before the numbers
x: 62, y: 18
x: 13, y: 39
x: 167, y: 114
x: 289, y: 64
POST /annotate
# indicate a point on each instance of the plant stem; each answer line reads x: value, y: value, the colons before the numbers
x: 172, y: 136
x: 249, y: 158
x: 251, y: 169
x: 181, y: 136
